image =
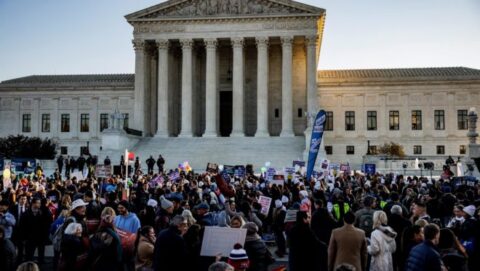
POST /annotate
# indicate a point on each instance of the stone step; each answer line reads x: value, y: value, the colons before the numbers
x: 198, y: 151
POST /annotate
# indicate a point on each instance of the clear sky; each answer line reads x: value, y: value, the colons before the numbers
x: 92, y: 36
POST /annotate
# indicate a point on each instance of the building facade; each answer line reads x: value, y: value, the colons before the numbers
x: 244, y: 69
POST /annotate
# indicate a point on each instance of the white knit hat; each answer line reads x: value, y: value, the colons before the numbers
x: 152, y: 203
x: 165, y: 203
x: 238, y: 253
x: 470, y: 210
x: 278, y: 203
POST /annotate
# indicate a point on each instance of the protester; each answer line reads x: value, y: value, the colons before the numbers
x: 425, y: 256
x: 7, y: 220
x: 382, y: 243
x: 322, y: 222
x: 257, y: 252
x: 7, y: 252
x: 399, y: 224
x: 72, y: 248
x: 170, y: 251
x: 347, y: 245
x: 278, y: 227
x: 144, y: 246
x: 35, y: 224
x: 126, y: 220
x: 220, y: 266
x: 238, y: 258
x: 452, y: 252
x: 28, y: 266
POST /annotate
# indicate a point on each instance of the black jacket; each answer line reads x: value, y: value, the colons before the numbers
x: 170, y: 251
x: 306, y: 251
x: 257, y: 254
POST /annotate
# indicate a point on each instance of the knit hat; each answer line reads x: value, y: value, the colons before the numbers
x: 152, y: 203
x: 238, y: 257
x: 251, y: 227
x: 278, y: 203
x: 304, y: 193
x: 470, y: 210
x: 165, y: 203
x: 284, y: 199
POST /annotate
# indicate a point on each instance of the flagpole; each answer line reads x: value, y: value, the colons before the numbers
x: 126, y: 172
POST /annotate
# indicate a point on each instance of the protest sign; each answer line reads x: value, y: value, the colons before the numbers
x: 23, y: 164
x: 291, y: 216
x: 174, y: 176
x: 102, y: 171
x: 240, y: 171
x: 298, y: 163
x: 325, y: 164
x: 334, y: 166
x: 265, y: 202
x: 270, y: 173
x: 159, y: 180
x: 370, y: 168
x: 229, y: 169
x: 221, y: 240
x: 211, y: 167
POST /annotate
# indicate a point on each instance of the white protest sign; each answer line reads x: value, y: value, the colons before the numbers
x: 265, y: 203
x: 291, y: 216
x: 278, y: 182
x: 221, y: 240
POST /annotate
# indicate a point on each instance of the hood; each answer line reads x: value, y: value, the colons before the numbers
x: 388, y: 232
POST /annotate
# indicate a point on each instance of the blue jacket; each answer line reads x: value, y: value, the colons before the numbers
x: 130, y: 223
x: 424, y: 257
x: 7, y: 220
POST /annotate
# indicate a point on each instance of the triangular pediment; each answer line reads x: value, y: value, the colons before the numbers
x: 223, y: 8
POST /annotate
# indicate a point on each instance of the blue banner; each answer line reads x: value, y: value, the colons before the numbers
x: 2, y: 163
x: 315, y: 141
x: 26, y: 165
x: 370, y: 169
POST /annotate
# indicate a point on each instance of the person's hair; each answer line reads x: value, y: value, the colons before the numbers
x: 379, y: 218
x: 368, y: 201
x: 301, y: 215
x: 447, y: 239
x: 394, y: 196
x: 28, y: 266
x: 421, y: 222
x: 72, y: 228
x: 430, y: 231
x: 177, y: 220
x: 143, y: 231
x: 349, y: 217
x: 220, y: 266
x: 416, y: 229
x: 345, y: 267
x: 396, y: 210
x: 239, y: 218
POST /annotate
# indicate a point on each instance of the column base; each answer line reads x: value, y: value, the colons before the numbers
x: 185, y: 135
x: 237, y: 134
x: 287, y: 134
x: 161, y: 135
x: 262, y: 134
x: 210, y: 134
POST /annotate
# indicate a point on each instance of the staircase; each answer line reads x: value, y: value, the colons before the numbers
x: 199, y: 151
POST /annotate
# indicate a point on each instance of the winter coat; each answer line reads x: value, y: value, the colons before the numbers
x: 35, y: 228
x: 170, y: 251
x: 382, y: 245
x: 71, y: 248
x: 347, y: 245
x: 144, y: 253
x: 306, y: 251
x: 322, y: 225
x: 257, y: 253
x: 424, y: 257
x: 105, y: 252
x: 7, y: 255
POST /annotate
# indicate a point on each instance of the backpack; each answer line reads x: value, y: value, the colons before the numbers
x: 57, y: 236
x: 365, y: 222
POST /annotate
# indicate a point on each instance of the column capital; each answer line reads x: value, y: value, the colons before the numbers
x: 186, y: 43
x: 138, y: 45
x: 286, y: 40
x: 237, y: 42
x: 211, y: 43
x: 162, y: 44
x: 261, y: 41
x: 311, y: 40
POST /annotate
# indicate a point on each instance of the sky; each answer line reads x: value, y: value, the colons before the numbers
x: 93, y: 37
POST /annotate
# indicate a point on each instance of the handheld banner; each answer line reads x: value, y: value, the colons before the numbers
x: 315, y: 141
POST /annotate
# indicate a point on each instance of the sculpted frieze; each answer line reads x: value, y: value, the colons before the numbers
x: 225, y: 7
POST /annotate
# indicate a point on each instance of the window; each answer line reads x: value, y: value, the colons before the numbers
x: 125, y: 120
x: 350, y: 121
x: 84, y: 120
x: 372, y: 149
x: 45, y: 123
x: 329, y: 121
x: 103, y: 122
x: 84, y: 150
x: 299, y: 113
x: 277, y: 113
x: 65, y: 128
x: 463, y: 149
x: 350, y: 149
x: 63, y: 150
x: 417, y: 149
x: 394, y: 120
x: 329, y: 150
x: 462, y: 119
x: 440, y: 149
x: 371, y: 120
x: 416, y: 120
x: 439, y: 117
x: 26, y: 123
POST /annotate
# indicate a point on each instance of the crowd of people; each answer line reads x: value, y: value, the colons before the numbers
x: 156, y: 221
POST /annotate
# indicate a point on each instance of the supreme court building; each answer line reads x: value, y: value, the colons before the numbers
x: 234, y: 81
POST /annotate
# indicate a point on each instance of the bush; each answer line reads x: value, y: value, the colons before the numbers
x: 391, y: 149
x: 27, y: 147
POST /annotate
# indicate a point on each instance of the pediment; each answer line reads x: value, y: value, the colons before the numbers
x: 223, y: 8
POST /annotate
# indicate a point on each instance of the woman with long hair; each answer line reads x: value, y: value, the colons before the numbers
x: 144, y: 246
x: 382, y: 243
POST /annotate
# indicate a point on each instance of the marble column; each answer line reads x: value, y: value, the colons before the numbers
x: 262, y: 87
x: 287, y: 97
x: 139, y: 107
x: 186, y: 126
x: 238, y: 88
x: 162, y: 93
x: 312, y: 106
x: 211, y: 89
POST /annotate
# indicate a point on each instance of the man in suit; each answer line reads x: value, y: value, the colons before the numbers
x: 17, y: 211
x: 348, y: 246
